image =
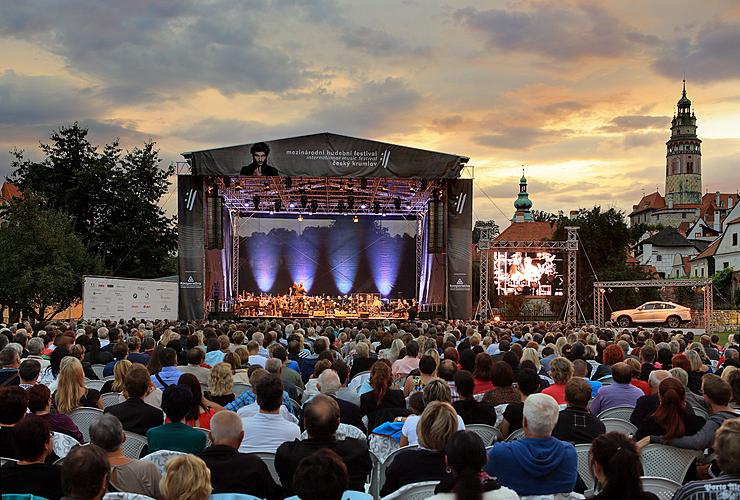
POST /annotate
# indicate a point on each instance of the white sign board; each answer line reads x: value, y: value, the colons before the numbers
x: 116, y: 298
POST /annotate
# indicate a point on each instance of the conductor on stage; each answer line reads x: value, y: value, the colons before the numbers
x: 260, y: 151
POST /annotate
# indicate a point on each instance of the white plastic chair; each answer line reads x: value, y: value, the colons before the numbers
x: 161, y: 457
x: 269, y: 460
x: 500, y: 409
x: 358, y: 380
x: 517, y: 434
x: 84, y: 417
x: 110, y: 399
x: 94, y: 384
x: 623, y: 412
x: 667, y: 462
x: 119, y: 495
x: 378, y: 472
x: 608, y: 380
x: 240, y: 388
x: 487, y: 433
x: 98, y: 370
x: 584, y: 467
x: 414, y: 491
x: 343, y: 432
x: 661, y: 487
x: 619, y: 425
x: 62, y: 443
x: 133, y: 445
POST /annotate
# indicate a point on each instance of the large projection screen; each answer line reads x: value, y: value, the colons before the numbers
x: 116, y: 298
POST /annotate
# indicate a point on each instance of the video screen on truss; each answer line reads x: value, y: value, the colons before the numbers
x: 527, y: 273
x: 329, y: 255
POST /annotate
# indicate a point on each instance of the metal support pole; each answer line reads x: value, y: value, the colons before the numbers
x: 571, y: 308
x: 487, y: 233
x: 419, y: 250
x: 234, y: 256
x: 708, y: 305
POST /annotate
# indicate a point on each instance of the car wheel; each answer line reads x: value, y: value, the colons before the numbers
x: 624, y: 321
x: 673, y: 322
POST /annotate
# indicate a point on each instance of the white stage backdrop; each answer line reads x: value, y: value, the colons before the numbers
x: 115, y: 298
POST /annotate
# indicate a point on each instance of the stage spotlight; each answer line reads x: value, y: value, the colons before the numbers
x: 351, y: 203
x: 397, y: 203
x: 376, y: 207
x: 278, y: 205
x: 300, y: 217
x: 304, y: 201
x: 408, y: 206
x: 291, y: 205
x: 256, y: 202
x: 355, y: 219
x: 340, y: 207
x: 363, y: 206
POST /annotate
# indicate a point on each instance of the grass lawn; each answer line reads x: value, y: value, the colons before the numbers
x: 723, y: 337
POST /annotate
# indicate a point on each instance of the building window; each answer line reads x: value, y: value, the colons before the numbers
x: 690, y: 167
x: 683, y: 215
x: 659, y: 258
x: 725, y: 265
x: 734, y: 240
x: 702, y: 272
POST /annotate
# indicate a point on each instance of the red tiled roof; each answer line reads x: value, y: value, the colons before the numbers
x: 708, y: 202
x: 684, y: 227
x: 527, y: 231
x: 709, y: 251
x: 653, y: 201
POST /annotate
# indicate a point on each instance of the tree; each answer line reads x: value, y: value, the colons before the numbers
x: 542, y: 216
x: 604, y: 242
x: 42, y: 260
x: 111, y: 196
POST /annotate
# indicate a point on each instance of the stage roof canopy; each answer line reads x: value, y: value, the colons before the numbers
x: 326, y: 155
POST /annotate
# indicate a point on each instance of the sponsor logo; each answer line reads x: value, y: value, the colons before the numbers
x: 459, y: 285
x: 385, y: 157
x: 190, y: 197
x: 458, y: 203
x: 190, y: 282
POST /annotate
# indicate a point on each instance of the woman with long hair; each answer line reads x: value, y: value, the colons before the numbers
x: 202, y: 410
x: 382, y: 396
x: 466, y: 455
x: 471, y: 410
x: 239, y: 374
x: 120, y: 369
x: 698, y: 370
x: 155, y: 365
x: 670, y: 420
x: 615, y: 464
x: 71, y: 392
x: 221, y: 384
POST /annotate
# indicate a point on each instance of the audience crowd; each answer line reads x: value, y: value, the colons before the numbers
x: 304, y: 408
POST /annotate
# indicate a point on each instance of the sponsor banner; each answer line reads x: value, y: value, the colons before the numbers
x: 459, y: 256
x: 115, y: 298
x: 325, y: 155
x: 191, y: 246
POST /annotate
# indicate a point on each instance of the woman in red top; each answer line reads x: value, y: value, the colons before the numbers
x: 482, y: 373
x: 561, y: 371
x: 636, y: 370
x: 202, y: 411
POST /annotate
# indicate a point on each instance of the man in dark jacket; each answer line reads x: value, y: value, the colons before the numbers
x: 575, y: 423
x: 135, y: 415
x: 321, y: 417
x: 231, y: 471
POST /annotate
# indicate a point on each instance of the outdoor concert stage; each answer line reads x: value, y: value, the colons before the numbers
x: 343, y: 216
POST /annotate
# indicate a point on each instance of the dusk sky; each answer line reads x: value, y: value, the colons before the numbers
x: 581, y: 93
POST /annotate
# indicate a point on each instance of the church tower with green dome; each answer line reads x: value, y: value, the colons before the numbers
x: 522, y: 204
x: 683, y: 157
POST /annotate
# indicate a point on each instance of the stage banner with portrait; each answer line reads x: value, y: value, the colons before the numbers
x: 459, y: 244
x: 191, y: 246
x: 325, y: 155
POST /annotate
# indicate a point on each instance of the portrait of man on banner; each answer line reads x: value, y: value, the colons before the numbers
x: 259, y: 166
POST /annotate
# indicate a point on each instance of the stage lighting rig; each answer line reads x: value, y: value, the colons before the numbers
x: 340, y: 207
x: 376, y: 207
x: 300, y: 217
x: 314, y: 206
x: 278, y: 206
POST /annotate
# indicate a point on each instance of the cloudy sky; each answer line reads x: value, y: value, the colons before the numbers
x: 580, y: 92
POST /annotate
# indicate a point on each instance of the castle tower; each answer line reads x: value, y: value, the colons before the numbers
x: 522, y: 203
x: 683, y: 157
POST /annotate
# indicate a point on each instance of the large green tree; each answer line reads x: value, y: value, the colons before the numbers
x: 603, y: 249
x: 42, y: 260
x: 112, y: 197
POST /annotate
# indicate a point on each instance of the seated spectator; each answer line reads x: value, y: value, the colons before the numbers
x: 318, y: 369
x: 253, y: 348
x: 482, y: 373
x: 561, y: 371
x: 466, y: 455
x: 646, y: 405
x: 221, y: 384
x: 78, y: 351
x: 134, y: 351
x: 249, y: 397
x: 10, y: 360
x: 382, y: 396
x: 615, y: 465
x: 290, y: 373
x: 575, y: 423
x: 727, y: 448
x: 408, y: 363
x: 186, y: 477
x: 267, y: 429
x: 31, y: 475
x: 28, y: 372
x: 345, y: 393
x: 177, y: 400
x: 693, y: 399
x: 322, y: 418
x: 223, y: 458
x: 126, y: 474
x: 446, y: 371
x: 436, y: 390
x: 503, y: 392
x: 648, y: 355
x: 717, y: 394
x: 85, y: 473
x: 580, y: 369
x: 698, y: 370
x: 119, y: 375
x: 39, y: 404
x: 71, y: 392
x: 239, y: 374
x: 321, y: 476
x: 35, y: 348
x: 362, y: 361
x: 194, y: 366
x: 636, y: 371
x: 436, y: 427
x: 612, y: 354
x: 169, y: 373
x: 620, y: 393
x: 328, y: 384
x: 467, y: 407
x: 528, y: 383
x: 135, y: 414
x: 670, y: 420
x: 120, y: 352
x: 538, y: 464
x: 201, y: 411
x: 427, y: 373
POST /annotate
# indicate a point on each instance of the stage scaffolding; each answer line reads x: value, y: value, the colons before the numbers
x: 705, y: 285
